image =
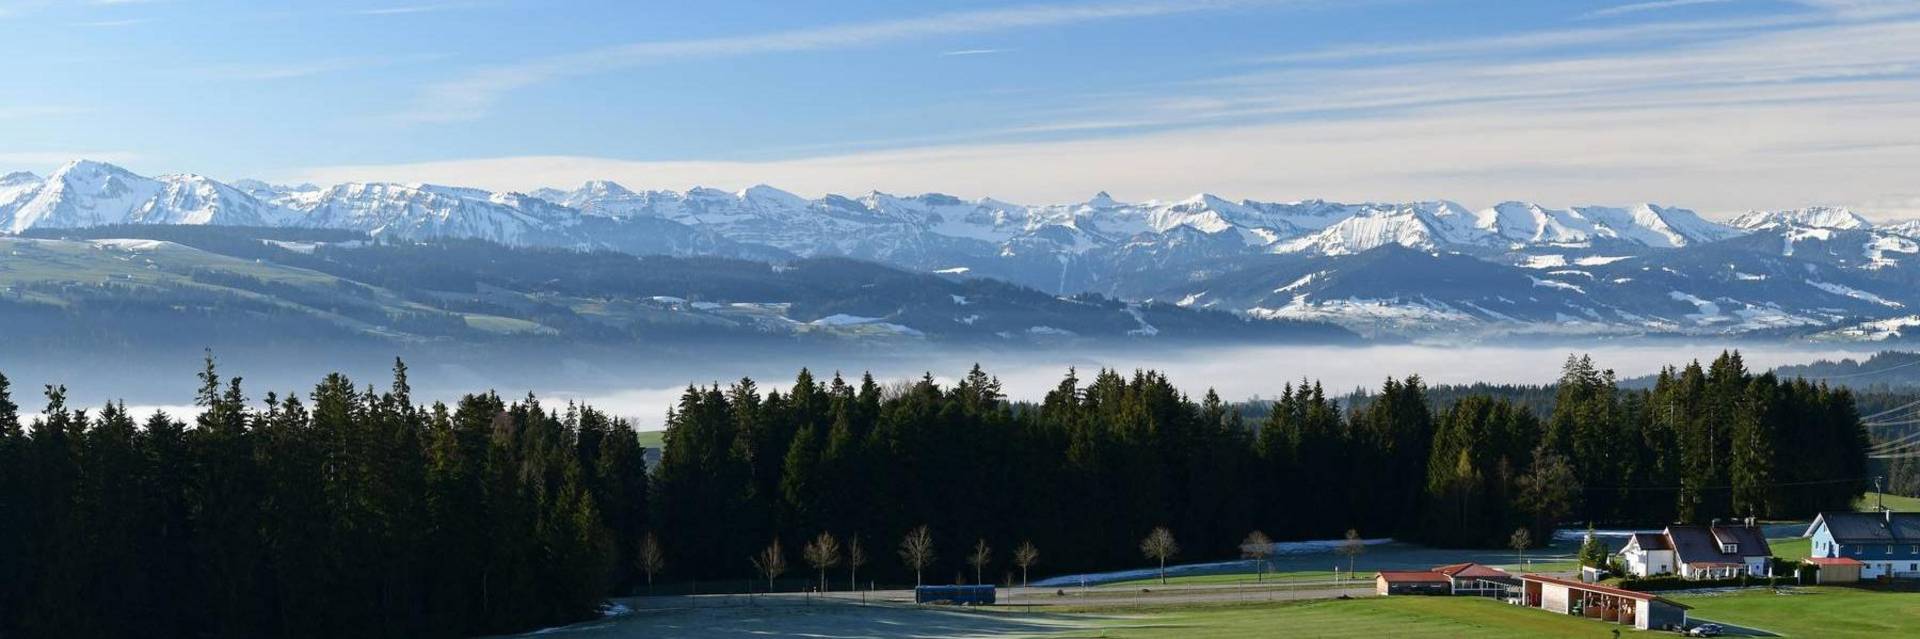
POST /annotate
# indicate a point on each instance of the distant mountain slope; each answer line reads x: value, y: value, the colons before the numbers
x: 1408, y: 269
x: 465, y: 291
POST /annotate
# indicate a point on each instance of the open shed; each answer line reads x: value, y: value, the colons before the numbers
x: 1645, y: 611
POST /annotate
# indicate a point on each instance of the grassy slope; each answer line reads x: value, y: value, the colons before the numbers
x: 1787, y: 547
x: 1896, y: 502
x: 1370, y: 617
x: 1814, y: 611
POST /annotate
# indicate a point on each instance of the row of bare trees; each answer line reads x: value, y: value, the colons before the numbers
x: 826, y: 552
x: 917, y: 552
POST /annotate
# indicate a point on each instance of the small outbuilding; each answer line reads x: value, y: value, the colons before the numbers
x: 1645, y: 611
x: 1835, y: 570
x: 1411, y: 582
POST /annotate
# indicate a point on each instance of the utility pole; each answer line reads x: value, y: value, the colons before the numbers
x: 1879, y: 497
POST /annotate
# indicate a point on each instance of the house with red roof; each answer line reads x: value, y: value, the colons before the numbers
x: 1411, y: 582
x: 1478, y: 579
x: 1451, y: 579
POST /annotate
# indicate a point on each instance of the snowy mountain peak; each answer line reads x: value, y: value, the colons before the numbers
x: 1819, y: 217
x: 18, y: 177
x: 1102, y: 200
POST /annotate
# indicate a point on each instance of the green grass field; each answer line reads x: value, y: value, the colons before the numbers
x: 1369, y: 617
x: 1802, y: 612
x: 1896, y: 502
x: 1814, y: 611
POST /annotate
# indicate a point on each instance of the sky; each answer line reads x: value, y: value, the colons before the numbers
x: 1717, y: 105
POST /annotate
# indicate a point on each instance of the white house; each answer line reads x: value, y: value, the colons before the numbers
x: 1699, y: 552
x: 1647, y: 554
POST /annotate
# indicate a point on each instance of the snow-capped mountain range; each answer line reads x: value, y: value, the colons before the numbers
x: 1143, y: 250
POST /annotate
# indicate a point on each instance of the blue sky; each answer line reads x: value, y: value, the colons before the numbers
x: 1720, y: 105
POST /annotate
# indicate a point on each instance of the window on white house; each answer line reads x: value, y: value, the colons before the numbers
x: 1729, y: 548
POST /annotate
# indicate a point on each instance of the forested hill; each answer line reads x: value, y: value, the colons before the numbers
x: 355, y: 512
x: 1889, y: 369
x: 239, y: 287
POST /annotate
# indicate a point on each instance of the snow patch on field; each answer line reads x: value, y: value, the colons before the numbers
x: 1303, y: 281
x: 130, y: 245
x: 1707, y: 311
x: 1556, y: 284
x: 1545, y: 261
x: 843, y: 319
x: 1601, y: 260
x: 1854, y: 293
x: 1875, y: 331
x: 1145, y: 330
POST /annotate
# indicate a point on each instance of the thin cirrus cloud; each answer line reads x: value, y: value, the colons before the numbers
x: 969, y: 52
x: 293, y: 70
x: 1769, y: 115
x: 400, y: 10
x: 1642, y: 7
x: 470, y: 96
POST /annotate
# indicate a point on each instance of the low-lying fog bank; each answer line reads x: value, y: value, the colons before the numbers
x: 642, y: 387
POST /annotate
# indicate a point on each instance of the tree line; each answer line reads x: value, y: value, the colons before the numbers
x: 357, y: 512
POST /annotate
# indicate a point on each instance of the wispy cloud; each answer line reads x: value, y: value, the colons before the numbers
x: 470, y: 96
x: 1792, y: 111
x: 56, y: 158
x: 415, y: 8
x: 966, y: 52
x: 113, y: 24
x: 1642, y: 7
x: 302, y: 69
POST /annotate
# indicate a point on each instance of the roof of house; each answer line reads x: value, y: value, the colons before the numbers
x: 1833, y: 561
x: 1693, y: 544
x: 1857, y: 528
x: 1606, y: 590
x: 1470, y: 570
x: 1411, y: 576
x: 1649, y: 541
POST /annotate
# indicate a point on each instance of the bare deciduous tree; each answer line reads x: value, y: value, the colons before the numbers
x: 1257, y: 546
x: 653, y: 560
x: 1521, y: 540
x: 982, y: 555
x: 1352, y: 547
x: 1159, y: 545
x: 917, y: 551
x: 1025, y: 557
x: 856, y: 557
x: 823, y: 553
x: 771, y: 562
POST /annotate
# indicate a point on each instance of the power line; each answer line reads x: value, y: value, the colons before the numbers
x: 1729, y: 486
x: 1904, y: 441
x: 1907, y: 422
x: 1891, y: 411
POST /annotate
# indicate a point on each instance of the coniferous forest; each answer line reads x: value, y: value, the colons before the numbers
x: 357, y: 512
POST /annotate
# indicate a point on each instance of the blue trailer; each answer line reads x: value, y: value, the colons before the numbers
x: 960, y: 595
